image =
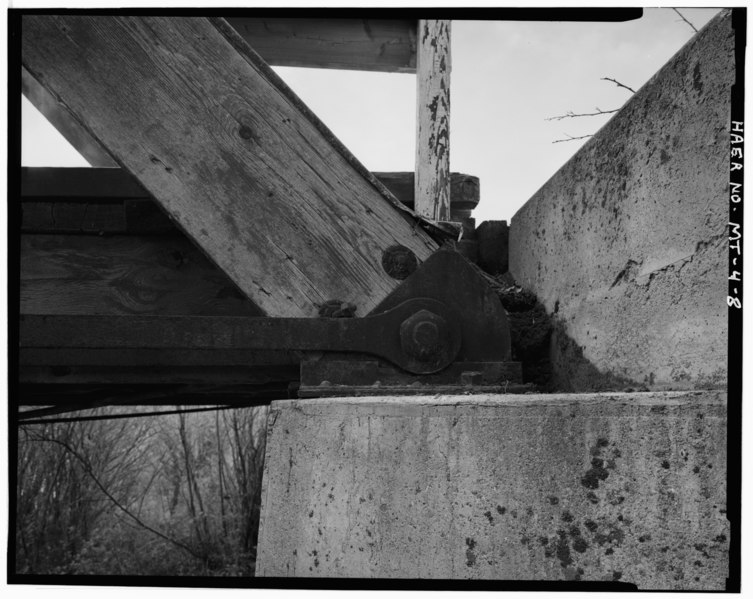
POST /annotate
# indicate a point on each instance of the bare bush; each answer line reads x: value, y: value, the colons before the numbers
x: 157, y: 495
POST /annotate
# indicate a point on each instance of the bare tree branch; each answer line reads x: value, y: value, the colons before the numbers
x: 571, y: 115
x: 88, y: 470
x: 617, y: 83
x: 571, y: 138
x: 684, y: 19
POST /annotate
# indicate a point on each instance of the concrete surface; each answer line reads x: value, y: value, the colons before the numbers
x: 627, y: 487
x: 626, y: 245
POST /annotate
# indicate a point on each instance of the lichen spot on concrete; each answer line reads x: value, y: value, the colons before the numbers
x: 470, y: 557
x: 596, y: 473
x: 563, y: 550
x: 580, y: 545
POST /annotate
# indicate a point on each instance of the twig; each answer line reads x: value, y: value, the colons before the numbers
x: 571, y: 115
x: 88, y: 470
x: 684, y: 19
x: 571, y: 138
x: 617, y: 83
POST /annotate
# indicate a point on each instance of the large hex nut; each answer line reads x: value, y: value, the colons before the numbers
x: 425, y: 336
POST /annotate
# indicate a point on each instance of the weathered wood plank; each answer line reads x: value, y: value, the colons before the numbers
x: 230, y: 153
x: 115, y: 183
x: 387, y: 45
x: 73, y: 217
x: 62, y: 200
x: 112, y: 183
x: 433, y: 120
x: 361, y: 44
x: 71, y: 274
x: 61, y: 119
x: 464, y: 191
x: 132, y: 217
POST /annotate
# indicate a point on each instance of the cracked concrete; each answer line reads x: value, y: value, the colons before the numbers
x: 610, y: 486
x: 628, y: 239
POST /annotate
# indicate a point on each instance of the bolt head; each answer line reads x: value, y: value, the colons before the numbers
x: 399, y: 262
x: 424, y: 336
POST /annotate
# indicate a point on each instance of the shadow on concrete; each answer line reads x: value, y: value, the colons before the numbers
x: 573, y: 372
x: 551, y: 359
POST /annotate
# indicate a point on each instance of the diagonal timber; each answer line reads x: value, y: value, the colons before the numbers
x: 61, y: 119
x: 240, y: 164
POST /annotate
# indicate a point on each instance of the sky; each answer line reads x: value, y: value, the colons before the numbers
x: 508, y: 77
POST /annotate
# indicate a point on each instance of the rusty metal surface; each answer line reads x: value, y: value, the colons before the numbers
x: 328, y: 375
x: 417, y: 388
x: 377, y: 335
x: 355, y: 370
x: 443, y: 330
x: 446, y: 276
x: 399, y: 262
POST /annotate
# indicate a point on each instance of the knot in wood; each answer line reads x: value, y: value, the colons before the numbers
x: 245, y: 132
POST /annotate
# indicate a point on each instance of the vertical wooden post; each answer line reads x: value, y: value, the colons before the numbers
x: 433, y: 66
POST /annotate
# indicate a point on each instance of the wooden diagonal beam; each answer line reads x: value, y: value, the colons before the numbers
x: 387, y: 45
x: 244, y: 168
x: 62, y: 120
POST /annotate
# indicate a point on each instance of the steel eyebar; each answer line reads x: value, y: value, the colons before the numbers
x: 431, y: 343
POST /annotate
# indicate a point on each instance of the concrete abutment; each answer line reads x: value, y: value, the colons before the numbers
x: 604, y: 487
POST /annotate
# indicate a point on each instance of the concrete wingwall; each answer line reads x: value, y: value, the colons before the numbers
x: 626, y: 245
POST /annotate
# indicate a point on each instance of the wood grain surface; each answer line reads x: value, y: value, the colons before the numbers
x: 464, y: 191
x: 232, y: 155
x: 55, y: 112
x: 76, y: 274
x: 134, y: 217
x: 109, y: 200
x: 55, y: 182
x: 433, y: 116
x: 361, y: 44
